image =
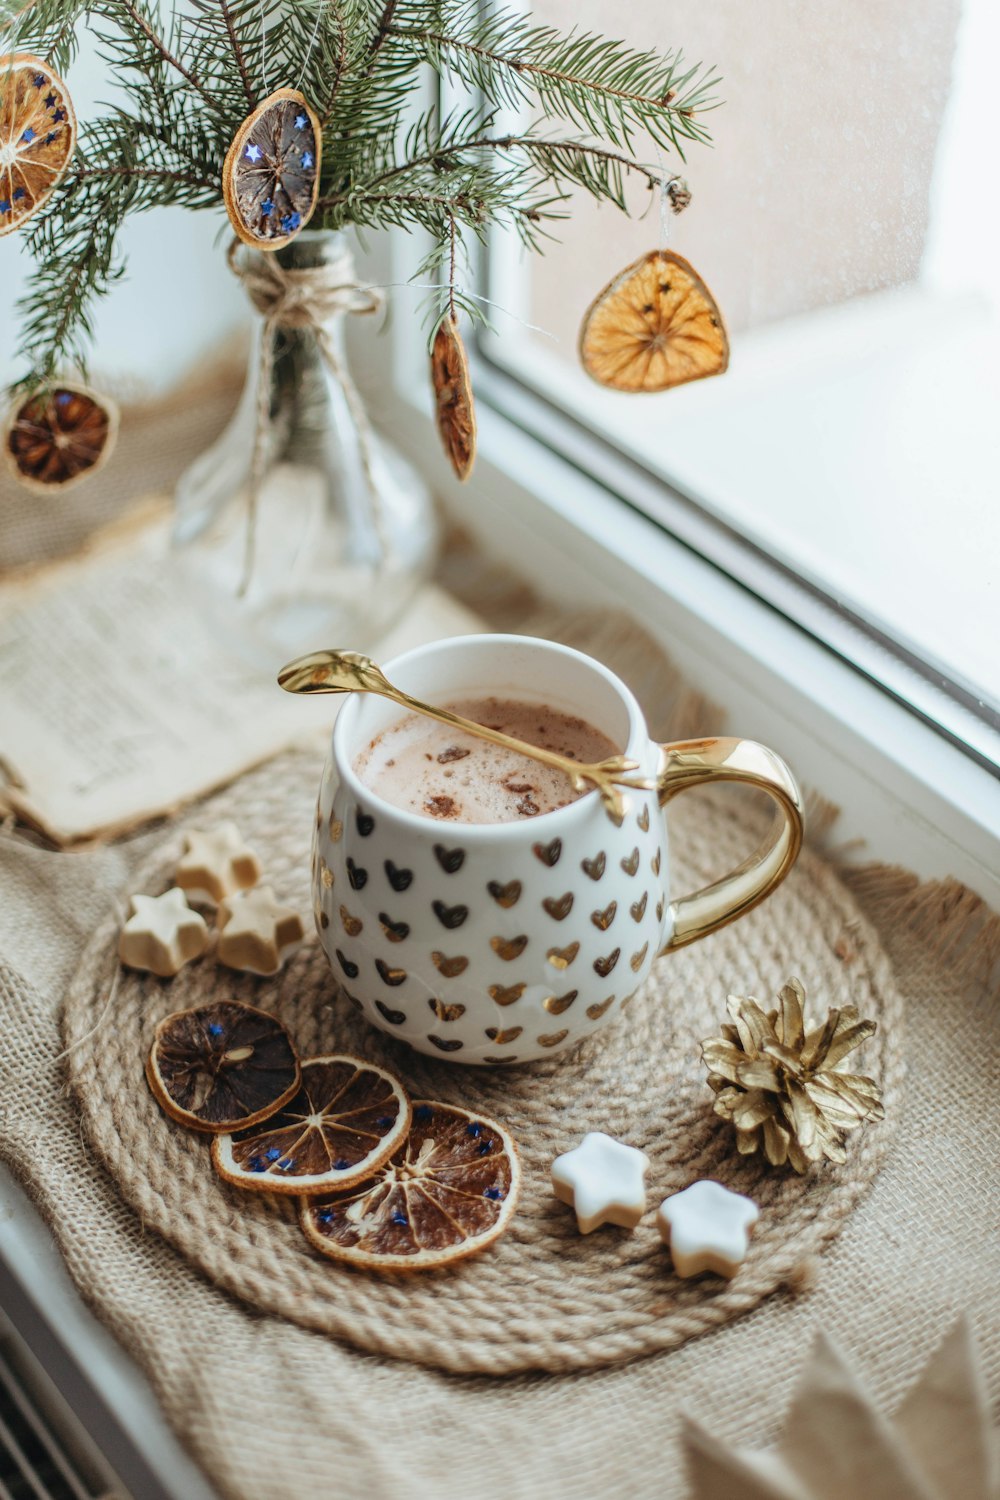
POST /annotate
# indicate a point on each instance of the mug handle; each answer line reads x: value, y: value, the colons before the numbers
x: 693, y: 763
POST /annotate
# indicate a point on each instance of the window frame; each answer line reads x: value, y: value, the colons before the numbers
x: 941, y: 699
x: 907, y: 792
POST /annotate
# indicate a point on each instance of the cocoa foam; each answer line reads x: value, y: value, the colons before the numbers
x: 430, y: 769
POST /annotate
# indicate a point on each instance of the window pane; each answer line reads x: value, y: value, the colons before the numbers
x: 847, y: 223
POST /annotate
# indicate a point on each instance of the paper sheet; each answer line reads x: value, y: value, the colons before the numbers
x: 836, y: 1442
x: 121, y: 698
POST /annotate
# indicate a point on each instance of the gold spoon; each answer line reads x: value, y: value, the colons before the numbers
x: 350, y: 672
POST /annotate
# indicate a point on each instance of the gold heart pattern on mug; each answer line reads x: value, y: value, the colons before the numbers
x: 494, y: 925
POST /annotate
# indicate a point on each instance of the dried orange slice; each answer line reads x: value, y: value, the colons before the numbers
x: 37, y: 136
x: 270, y: 178
x: 456, y: 410
x: 347, y: 1118
x: 449, y: 1191
x: 222, y: 1067
x: 655, y: 326
x: 60, y: 436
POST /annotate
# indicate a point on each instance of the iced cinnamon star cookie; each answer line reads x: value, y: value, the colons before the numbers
x: 603, y: 1180
x: 216, y: 864
x: 162, y: 934
x: 707, y: 1228
x: 256, y: 933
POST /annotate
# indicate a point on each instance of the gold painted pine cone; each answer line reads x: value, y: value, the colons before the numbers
x: 780, y: 1085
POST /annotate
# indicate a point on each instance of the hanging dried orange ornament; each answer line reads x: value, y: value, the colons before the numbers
x: 656, y: 325
x: 270, y: 178
x: 37, y: 136
x: 456, y: 410
x: 59, y: 436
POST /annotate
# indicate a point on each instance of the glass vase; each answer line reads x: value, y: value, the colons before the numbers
x: 304, y: 526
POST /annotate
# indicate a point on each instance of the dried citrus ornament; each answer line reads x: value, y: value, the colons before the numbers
x: 448, y: 1192
x: 222, y: 1067
x: 456, y: 410
x: 270, y: 178
x: 347, y: 1118
x: 37, y: 136
x: 656, y: 325
x: 59, y: 436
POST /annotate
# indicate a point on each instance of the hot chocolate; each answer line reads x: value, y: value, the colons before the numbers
x: 428, y: 768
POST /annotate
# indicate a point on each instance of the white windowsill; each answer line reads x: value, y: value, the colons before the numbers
x: 853, y: 443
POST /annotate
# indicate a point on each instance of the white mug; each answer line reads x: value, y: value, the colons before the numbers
x: 505, y: 942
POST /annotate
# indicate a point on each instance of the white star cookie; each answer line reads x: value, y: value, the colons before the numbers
x: 217, y: 864
x: 256, y: 933
x: 707, y: 1228
x: 162, y: 934
x: 603, y: 1179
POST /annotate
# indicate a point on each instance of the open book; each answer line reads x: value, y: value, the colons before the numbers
x: 121, y: 698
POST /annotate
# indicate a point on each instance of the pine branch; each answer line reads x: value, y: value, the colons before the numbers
x: 439, y: 181
x: 73, y: 239
x: 187, y: 86
x: 471, y: 210
x: 9, y: 14
x: 160, y: 45
x: 602, y: 86
x: 381, y: 33
x: 224, y: 42
x: 601, y: 171
x: 478, y: 198
x: 430, y: 142
x: 451, y: 265
x: 447, y: 297
x: 46, y: 28
x: 241, y: 63
x: 150, y: 174
x: 435, y: 151
x: 318, y: 37
x: 55, y: 313
x: 339, y: 68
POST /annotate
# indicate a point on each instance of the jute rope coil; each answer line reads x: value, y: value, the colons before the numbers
x: 543, y: 1298
x: 304, y: 298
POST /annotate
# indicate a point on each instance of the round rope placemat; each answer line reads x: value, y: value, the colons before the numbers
x: 544, y: 1297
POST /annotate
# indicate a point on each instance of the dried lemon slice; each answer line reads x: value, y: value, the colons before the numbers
x: 655, y: 326
x: 347, y: 1118
x: 57, y: 437
x: 270, y: 178
x: 456, y: 411
x: 222, y: 1067
x: 37, y: 136
x: 449, y: 1191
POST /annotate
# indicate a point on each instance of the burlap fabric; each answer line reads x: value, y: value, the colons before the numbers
x: 274, y: 1411
x: 157, y: 440
x: 545, y: 1297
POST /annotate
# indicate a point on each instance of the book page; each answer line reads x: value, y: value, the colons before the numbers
x: 121, y: 697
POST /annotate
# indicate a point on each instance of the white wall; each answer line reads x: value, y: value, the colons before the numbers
x: 178, y: 301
